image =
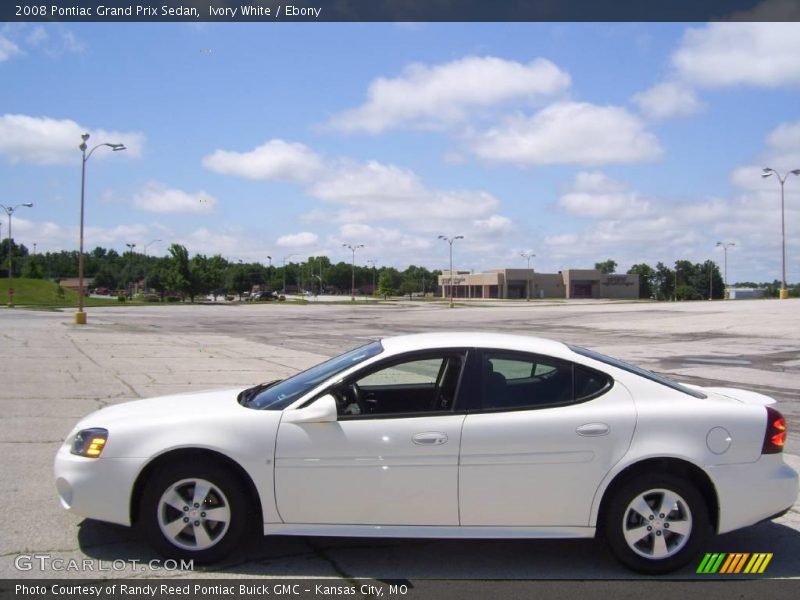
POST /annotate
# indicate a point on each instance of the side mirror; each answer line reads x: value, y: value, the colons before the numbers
x: 323, y: 410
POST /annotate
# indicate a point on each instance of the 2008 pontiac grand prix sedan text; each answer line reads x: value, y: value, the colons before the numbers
x: 467, y: 435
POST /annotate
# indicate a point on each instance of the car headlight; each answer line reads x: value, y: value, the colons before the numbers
x: 89, y: 442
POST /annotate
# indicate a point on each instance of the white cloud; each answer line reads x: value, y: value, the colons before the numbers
x: 275, y: 160
x: 728, y: 54
x: 429, y: 96
x: 53, y: 40
x: 596, y: 195
x: 46, y: 141
x: 157, y: 197
x: 570, y: 133
x: 782, y: 152
x: 37, y: 36
x: 8, y: 49
x: 494, y: 224
x: 667, y: 100
x: 298, y: 240
x: 375, y: 192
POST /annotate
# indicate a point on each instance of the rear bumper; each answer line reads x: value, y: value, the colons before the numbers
x: 751, y: 493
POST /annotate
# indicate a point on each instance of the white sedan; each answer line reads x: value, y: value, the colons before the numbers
x: 460, y: 435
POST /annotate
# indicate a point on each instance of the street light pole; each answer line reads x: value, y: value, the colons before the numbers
x: 782, y: 179
x: 528, y: 255
x: 450, y: 241
x: 130, y: 268
x: 353, y: 273
x: 80, y: 316
x: 372, y: 262
x: 145, y: 264
x: 10, y: 212
x: 725, y: 246
x: 284, y: 271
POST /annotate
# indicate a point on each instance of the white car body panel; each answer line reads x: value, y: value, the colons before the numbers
x: 545, y: 472
x: 196, y: 420
x: 369, y: 472
x: 515, y: 473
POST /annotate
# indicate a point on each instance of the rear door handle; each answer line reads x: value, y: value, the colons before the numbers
x: 430, y: 438
x: 593, y: 429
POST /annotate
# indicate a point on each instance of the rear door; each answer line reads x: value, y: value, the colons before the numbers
x: 544, y: 435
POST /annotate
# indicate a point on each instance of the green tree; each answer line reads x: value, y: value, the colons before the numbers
x: 385, y: 283
x: 33, y: 268
x: 647, y: 279
x: 20, y: 252
x: 178, y: 276
x: 664, y: 282
x: 607, y: 266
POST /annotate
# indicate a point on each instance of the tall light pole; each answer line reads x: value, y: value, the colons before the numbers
x: 284, y: 271
x: 145, y: 264
x: 353, y: 273
x: 768, y: 172
x: 725, y: 246
x: 371, y: 262
x: 10, y: 212
x: 528, y: 255
x: 130, y: 267
x: 80, y: 316
x: 450, y: 241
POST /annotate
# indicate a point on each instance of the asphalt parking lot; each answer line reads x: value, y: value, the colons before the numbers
x: 56, y: 372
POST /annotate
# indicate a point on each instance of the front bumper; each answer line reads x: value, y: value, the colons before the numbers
x: 751, y: 493
x: 96, y: 488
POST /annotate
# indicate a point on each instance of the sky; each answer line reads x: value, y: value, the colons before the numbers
x: 640, y: 142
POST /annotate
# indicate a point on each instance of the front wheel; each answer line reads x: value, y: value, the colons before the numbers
x: 199, y: 513
x: 656, y: 524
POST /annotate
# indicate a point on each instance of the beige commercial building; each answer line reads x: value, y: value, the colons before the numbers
x: 526, y: 283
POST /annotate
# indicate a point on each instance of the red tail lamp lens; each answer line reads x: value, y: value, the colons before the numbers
x: 775, y: 436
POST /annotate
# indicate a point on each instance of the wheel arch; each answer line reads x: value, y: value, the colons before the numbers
x: 669, y: 465
x: 193, y: 456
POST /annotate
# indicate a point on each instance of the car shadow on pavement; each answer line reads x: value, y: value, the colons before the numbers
x: 390, y: 559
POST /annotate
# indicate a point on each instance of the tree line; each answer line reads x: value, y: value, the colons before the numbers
x: 687, y: 281
x: 200, y: 275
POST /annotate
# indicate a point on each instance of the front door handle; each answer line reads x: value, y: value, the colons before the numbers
x: 430, y: 438
x: 593, y: 429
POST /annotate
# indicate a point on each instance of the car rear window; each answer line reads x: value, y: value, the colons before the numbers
x: 620, y: 364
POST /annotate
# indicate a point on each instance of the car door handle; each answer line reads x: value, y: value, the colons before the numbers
x: 430, y: 438
x: 593, y: 429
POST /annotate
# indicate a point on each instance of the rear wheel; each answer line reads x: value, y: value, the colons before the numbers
x: 656, y: 523
x: 195, y: 512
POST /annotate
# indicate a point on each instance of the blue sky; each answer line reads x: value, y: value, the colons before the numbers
x: 579, y: 142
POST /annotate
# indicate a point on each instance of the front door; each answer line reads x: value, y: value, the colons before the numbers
x: 391, y: 458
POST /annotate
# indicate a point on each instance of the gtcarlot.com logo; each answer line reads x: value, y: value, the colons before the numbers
x: 734, y: 563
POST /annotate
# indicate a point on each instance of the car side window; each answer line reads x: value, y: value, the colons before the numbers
x: 417, y: 385
x: 589, y: 383
x: 522, y: 381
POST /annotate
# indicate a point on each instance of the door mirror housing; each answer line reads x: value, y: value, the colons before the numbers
x: 323, y: 410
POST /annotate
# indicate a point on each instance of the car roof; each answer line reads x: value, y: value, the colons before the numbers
x: 475, y: 339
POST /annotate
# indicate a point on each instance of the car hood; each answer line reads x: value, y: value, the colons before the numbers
x: 205, y: 403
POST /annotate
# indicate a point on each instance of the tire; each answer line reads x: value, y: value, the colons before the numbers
x: 675, y: 513
x: 173, y: 518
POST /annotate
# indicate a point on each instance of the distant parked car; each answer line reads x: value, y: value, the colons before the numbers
x: 263, y: 296
x: 101, y: 291
x: 459, y: 435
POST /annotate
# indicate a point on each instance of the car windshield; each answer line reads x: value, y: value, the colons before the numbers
x: 621, y: 364
x: 281, y: 394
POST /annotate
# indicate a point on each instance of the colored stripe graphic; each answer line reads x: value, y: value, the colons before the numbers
x: 734, y: 563
x: 758, y: 563
x: 728, y: 564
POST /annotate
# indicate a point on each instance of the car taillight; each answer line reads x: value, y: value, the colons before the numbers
x: 775, y: 436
